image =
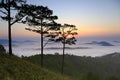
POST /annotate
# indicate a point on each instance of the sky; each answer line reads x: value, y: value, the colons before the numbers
x: 92, y: 17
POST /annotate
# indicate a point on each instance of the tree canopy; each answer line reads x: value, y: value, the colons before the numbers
x: 9, y: 10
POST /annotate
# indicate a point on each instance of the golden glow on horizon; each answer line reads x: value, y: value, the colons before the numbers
x: 97, y: 31
x: 82, y: 31
x: 18, y: 30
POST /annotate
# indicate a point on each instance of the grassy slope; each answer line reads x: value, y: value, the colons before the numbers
x: 14, y: 68
x: 106, y: 68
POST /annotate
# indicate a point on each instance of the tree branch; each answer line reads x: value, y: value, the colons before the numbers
x: 37, y: 27
x: 14, y: 22
x: 6, y: 8
x: 3, y: 12
x: 46, y: 43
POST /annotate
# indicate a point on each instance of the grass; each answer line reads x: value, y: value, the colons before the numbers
x: 15, y: 68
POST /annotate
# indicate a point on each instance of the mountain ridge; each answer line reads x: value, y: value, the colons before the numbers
x: 77, y: 66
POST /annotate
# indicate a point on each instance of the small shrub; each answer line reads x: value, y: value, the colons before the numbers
x: 2, y: 49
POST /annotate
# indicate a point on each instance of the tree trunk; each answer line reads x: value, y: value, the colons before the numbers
x: 9, y: 29
x: 63, y: 57
x: 41, y: 44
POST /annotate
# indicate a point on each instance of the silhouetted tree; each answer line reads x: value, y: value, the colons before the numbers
x: 41, y: 21
x: 66, y: 35
x: 8, y: 8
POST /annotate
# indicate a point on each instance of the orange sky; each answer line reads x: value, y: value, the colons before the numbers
x: 92, y: 17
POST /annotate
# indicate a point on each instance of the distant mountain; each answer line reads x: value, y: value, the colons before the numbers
x: 3, y: 41
x: 68, y: 48
x: 59, y: 48
x: 116, y: 41
x: 102, y: 43
x: 29, y: 41
x: 116, y: 54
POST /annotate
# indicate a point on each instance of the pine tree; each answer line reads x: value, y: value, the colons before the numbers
x: 7, y: 8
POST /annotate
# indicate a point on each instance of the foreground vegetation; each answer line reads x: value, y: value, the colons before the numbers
x: 82, y: 68
x: 75, y: 67
x: 15, y: 68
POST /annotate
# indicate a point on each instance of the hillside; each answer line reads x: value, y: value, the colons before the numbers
x: 15, y: 68
x: 82, y: 68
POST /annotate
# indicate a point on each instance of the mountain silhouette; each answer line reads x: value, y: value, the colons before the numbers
x: 101, y: 43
